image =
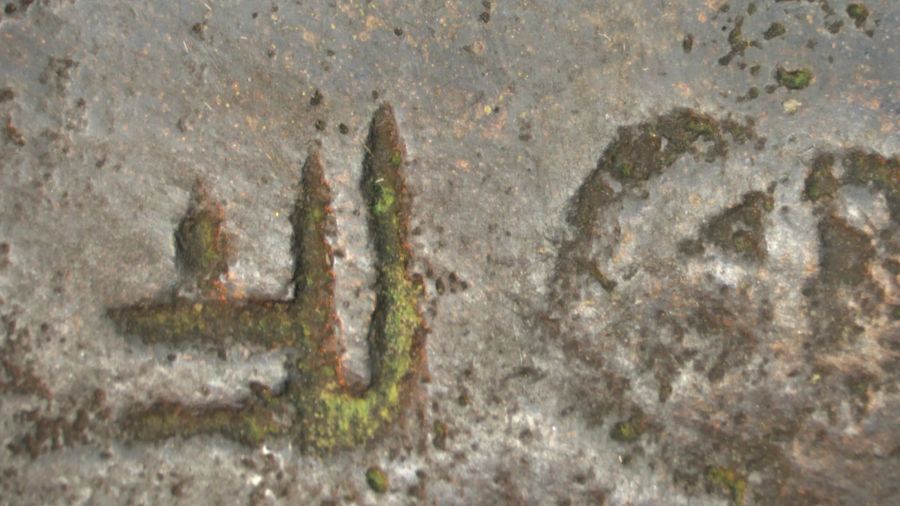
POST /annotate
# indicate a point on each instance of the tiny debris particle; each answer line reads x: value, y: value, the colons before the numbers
x: 441, y: 432
x: 343, y: 129
x: 199, y: 29
x: 377, y: 480
x: 751, y: 94
x: 320, y: 125
x: 184, y: 125
x: 687, y: 44
x: 835, y: 27
x: 6, y: 95
x: 316, y: 98
x: 791, y: 105
x: 13, y: 134
x: 398, y: 32
x: 485, y: 17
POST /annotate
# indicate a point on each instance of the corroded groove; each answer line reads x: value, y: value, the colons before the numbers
x: 315, y: 406
x: 639, y: 153
x: 643, y: 151
x: 739, y: 229
x: 846, y: 254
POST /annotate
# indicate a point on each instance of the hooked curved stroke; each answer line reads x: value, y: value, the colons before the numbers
x: 316, y: 406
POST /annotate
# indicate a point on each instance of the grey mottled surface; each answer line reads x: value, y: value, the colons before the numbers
x: 111, y: 110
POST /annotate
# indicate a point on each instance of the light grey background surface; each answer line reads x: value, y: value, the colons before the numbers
x: 121, y: 106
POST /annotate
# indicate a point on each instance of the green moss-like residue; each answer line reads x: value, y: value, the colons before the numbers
x: 870, y: 169
x: 630, y: 430
x: 317, y: 406
x: 313, y: 303
x: 269, y: 323
x: 859, y: 13
x: 821, y: 183
x: 396, y: 158
x: 384, y: 201
x: 730, y: 481
x: 201, y: 246
x: 861, y: 167
x: 377, y: 480
x: 797, y: 79
x: 248, y: 424
x: 441, y: 434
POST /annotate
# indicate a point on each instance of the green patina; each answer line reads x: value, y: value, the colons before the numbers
x: 797, y: 79
x: 396, y: 158
x: 269, y: 323
x: 630, y: 430
x: 316, y: 405
x: 248, y: 424
x: 625, y: 432
x: 441, y: 434
x: 860, y: 167
x: 729, y: 480
x: 384, y: 201
x: 878, y: 172
x: 202, y: 247
x: 377, y: 480
x: 859, y: 13
x: 821, y: 183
